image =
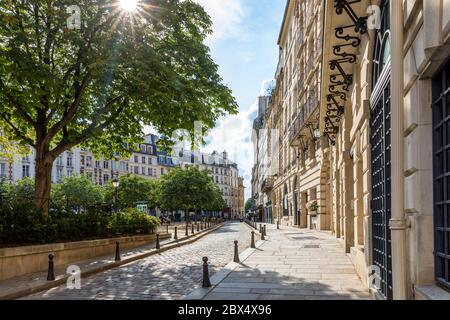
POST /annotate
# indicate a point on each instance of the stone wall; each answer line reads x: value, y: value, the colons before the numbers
x: 28, y: 259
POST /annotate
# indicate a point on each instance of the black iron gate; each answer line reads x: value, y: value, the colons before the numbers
x: 380, y: 140
x: 441, y: 169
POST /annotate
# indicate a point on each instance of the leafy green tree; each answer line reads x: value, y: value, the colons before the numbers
x: 218, y: 203
x: 133, y: 189
x: 248, y: 205
x: 78, y: 192
x: 97, y: 85
x: 189, y: 189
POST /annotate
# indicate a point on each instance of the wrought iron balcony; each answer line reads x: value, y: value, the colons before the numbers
x: 301, y: 120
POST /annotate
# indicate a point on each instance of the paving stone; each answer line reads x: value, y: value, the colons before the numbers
x: 169, y: 275
x: 283, y: 269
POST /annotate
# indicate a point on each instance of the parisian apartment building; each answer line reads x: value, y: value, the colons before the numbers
x: 145, y: 161
x: 355, y: 138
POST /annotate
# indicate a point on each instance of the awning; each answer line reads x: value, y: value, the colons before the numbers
x: 344, y: 24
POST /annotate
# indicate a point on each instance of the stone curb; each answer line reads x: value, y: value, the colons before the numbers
x: 61, y: 279
x: 218, y: 277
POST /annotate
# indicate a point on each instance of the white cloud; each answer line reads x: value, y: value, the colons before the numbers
x: 227, y: 16
x: 233, y: 134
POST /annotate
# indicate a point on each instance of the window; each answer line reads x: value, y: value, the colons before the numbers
x: 59, y: 161
x: 97, y: 164
x: 82, y: 160
x: 154, y: 172
x: 441, y: 176
x: 150, y: 171
x: 26, y: 159
x: 105, y: 178
x: 2, y: 170
x: 123, y: 166
x: 150, y: 161
x: 25, y: 171
x: 105, y: 164
x: 88, y: 161
x: 136, y: 170
x: 143, y: 160
x: 70, y: 159
x: 69, y: 172
x: 59, y: 174
x: 143, y: 171
x: 136, y: 159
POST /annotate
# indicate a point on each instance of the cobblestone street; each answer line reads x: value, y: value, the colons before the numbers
x: 169, y: 275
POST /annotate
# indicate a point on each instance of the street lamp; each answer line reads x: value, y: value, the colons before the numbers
x: 115, y: 183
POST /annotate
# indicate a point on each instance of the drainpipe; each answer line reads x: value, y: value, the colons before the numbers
x: 398, y: 221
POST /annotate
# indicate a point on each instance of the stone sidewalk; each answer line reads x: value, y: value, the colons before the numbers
x: 294, y: 264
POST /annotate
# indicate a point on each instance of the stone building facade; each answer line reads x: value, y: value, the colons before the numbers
x: 384, y: 147
x: 387, y: 121
x: 289, y: 148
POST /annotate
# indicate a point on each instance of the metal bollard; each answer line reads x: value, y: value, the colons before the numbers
x: 265, y: 231
x: 51, y: 269
x: 157, y: 242
x: 262, y: 236
x: 167, y: 230
x: 117, y: 258
x: 260, y: 228
x: 278, y: 224
x: 186, y: 230
x: 252, y: 245
x: 175, y: 235
x: 192, y: 231
x: 206, y: 282
x: 198, y: 227
x: 236, y: 253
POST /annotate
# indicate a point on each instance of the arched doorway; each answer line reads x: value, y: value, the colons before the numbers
x: 380, y: 141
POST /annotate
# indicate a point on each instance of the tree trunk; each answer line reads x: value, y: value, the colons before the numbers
x: 43, y: 179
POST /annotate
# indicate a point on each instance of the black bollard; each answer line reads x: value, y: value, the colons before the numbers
x: 51, y: 269
x: 175, y: 235
x: 167, y: 230
x: 192, y: 231
x: 278, y: 224
x: 117, y: 258
x: 157, y: 242
x: 236, y: 253
x: 198, y: 227
x: 252, y: 245
x: 265, y: 231
x: 260, y: 228
x: 262, y: 236
x: 206, y: 282
x: 186, y: 230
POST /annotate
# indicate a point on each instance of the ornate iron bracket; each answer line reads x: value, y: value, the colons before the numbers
x: 359, y: 23
x: 341, y: 81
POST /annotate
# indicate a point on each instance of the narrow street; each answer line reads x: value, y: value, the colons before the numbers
x: 292, y: 264
x: 166, y: 276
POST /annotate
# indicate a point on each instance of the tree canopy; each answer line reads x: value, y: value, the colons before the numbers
x: 190, y: 189
x: 78, y: 192
x: 133, y: 189
x: 97, y: 85
x: 248, y: 205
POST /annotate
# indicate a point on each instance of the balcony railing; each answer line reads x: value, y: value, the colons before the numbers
x: 302, y: 118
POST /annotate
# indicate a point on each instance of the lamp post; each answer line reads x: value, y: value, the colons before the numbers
x: 115, y: 183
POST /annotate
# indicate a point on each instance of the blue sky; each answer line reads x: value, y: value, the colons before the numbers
x: 244, y: 45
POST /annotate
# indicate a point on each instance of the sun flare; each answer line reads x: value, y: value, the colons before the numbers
x: 129, y: 5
